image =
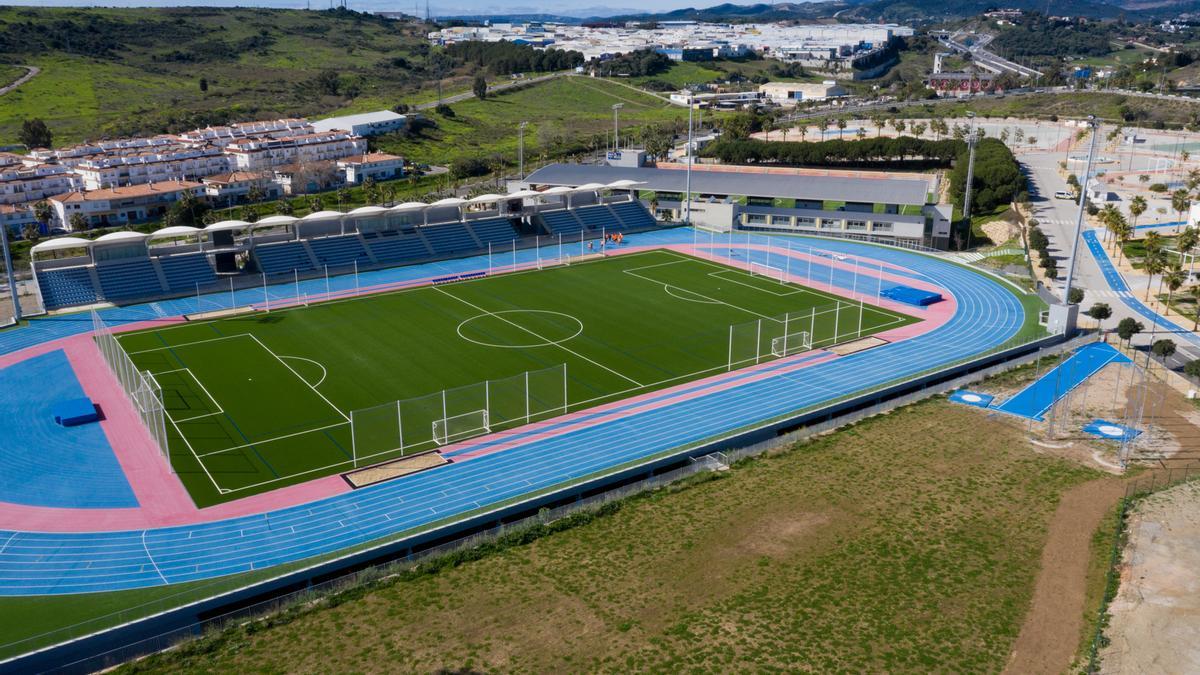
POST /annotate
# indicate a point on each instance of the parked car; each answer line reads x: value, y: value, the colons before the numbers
x: 1063, y: 194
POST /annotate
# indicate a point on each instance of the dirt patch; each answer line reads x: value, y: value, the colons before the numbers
x: 1001, y: 230
x: 1050, y: 634
x: 1155, y: 625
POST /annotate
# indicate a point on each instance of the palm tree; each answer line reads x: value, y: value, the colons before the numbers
x: 1137, y: 206
x: 841, y: 125
x: 1186, y: 242
x: 878, y: 120
x: 1124, y: 232
x: 1194, y: 291
x: 1154, y: 262
x: 1174, y: 278
x: 1108, y: 217
x: 1152, y: 243
x: 43, y: 212
x: 1180, y: 202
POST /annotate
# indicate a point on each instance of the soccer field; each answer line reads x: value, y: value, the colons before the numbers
x: 264, y: 400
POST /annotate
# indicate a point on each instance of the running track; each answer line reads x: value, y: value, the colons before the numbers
x: 34, y: 563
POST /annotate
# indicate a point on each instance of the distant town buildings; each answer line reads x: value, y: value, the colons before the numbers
x: 839, y: 49
x: 791, y: 93
x: 127, y: 180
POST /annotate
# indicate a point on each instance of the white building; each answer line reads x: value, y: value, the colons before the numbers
x: 175, y: 162
x: 376, y: 166
x: 255, y: 154
x: 364, y: 124
x: 791, y: 93
x: 121, y: 205
x: 28, y: 182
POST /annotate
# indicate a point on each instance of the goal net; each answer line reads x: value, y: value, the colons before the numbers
x: 449, y: 429
x: 769, y: 271
x: 792, y: 343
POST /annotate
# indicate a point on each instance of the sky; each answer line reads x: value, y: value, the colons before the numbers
x: 580, y: 8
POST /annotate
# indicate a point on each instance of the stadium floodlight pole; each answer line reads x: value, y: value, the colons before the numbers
x: 687, y: 202
x: 1087, y: 174
x: 970, y: 176
x: 489, y: 258
x: 12, y: 277
x: 232, y: 302
x: 616, y: 108
x: 521, y: 149
x: 266, y: 298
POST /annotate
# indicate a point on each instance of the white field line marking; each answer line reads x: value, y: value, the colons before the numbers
x: 324, y: 373
x: 285, y: 365
x: 7, y: 542
x: 219, y: 408
x: 151, y: 559
x: 725, y: 274
x: 707, y: 299
x: 197, y: 456
x: 272, y: 440
x: 187, y: 344
x: 543, y: 339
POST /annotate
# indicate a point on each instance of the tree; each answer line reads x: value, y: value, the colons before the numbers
x: 284, y: 207
x: 480, y: 86
x: 43, y: 212
x: 1180, y: 202
x: 35, y: 134
x: 1163, y: 349
x: 1174, y: 278
x: 1154, y: 262
x: 1137, y: 206
x: 255, y: 194
x: 1128, y: 327
x: 31, y: 233
x: 1100, y: 311
x: 203, y: 84
x: 1192, y: 369
x: 78, y: 222
x: 327, y: 82
x: 1075, y: 296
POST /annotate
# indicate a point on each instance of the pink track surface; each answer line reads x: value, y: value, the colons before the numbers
x: 164, y: 502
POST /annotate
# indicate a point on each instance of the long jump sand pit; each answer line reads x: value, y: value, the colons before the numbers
x: 394, y: 469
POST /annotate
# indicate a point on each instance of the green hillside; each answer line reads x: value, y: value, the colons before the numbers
x: 109, y: 72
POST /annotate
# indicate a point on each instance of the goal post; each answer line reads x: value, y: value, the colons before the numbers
x: 770, y: 271
x: 791, y: 343
x: 464, y: 425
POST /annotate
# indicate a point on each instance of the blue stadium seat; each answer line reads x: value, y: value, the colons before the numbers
x: 128, y: 280
x: 395, y: 247
x: 282, y: 258
x: 561, y: 221
x: 597, y: 217
x: 339, y: 251
x: 493, y: 230
x: 66, y: 287
x: 185, y: 272
x: 633, y: 215
x: 449, y: 238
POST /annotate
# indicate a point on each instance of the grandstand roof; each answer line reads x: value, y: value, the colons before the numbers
x: 751, y: 183
x: 59, y: 244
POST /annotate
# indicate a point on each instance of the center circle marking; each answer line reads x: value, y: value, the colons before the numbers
x: 533, y: 341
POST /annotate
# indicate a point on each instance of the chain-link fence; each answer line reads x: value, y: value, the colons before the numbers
x: 140, y: 386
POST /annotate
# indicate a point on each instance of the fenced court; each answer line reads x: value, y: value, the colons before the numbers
x: 258, y: 401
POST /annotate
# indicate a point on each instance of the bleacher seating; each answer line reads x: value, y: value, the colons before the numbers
x: 493, y: 230
x: 128, y: 279
x: 562, y: 221
x: 394, y: 246
x: 633, y: 215
x: 282, y: 258
x: 185, y: 272
x: 339, y: 251
x: 65, y: 287
x: 449, y: 238
x: 596, y: 217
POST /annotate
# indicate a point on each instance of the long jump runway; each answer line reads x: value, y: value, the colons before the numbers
x: 34, y: 563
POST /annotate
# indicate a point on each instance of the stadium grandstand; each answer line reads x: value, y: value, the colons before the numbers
x: 124, y: 267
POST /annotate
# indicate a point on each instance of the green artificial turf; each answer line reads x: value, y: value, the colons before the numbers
x: 260, y: 401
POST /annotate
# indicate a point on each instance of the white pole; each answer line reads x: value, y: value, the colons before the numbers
x: 854, y: 284
x: 747, y: 250
x: 730, y: 368
x: 356, y: 286
x: 812, y: 326
x: 266, y: 298
x: 353, y: 445
x: 879, y: 287
x: 487, y: 399
x: 758, y: 342
x: 232, y: 303
x: 400, y: 426
x: 514, y: 255
x: 445, y: 418
x: 197, y: 296
x: 489, y: 258
x: 786, y: 318
x: 327, y: 291
x: 860, y: 317
x: 527, y: 397
x: 560, y: 247
x: 837, y: 315
x: 565, y: 401
x: 296, y: 273
x: 788, y: 264
x: 537, y: 249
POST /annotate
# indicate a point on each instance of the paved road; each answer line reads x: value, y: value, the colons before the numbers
x: 30, y: 73
x: 455, y: 98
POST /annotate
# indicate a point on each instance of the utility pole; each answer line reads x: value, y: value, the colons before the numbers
x: 521, y: 149
x: 1087, y: 174
x: 970, y: 177
x: 12, y: 277
x: 687, y: 197
x: 616, y: 126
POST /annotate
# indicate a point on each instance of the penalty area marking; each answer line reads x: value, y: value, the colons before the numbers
x: 324, y: 373
x: 542, y: 341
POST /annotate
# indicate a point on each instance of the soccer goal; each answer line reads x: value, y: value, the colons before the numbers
x: 456, y: 427
x: 769, y: 271
x: 792, y: 343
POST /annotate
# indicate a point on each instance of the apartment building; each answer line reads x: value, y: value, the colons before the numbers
x: 27, y: 182
x: 174, y: 162
x: 121, y: 205
x: 259, y: 154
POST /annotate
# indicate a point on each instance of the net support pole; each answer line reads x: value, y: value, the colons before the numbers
x: 560, y: 247
x: 445, y: 418
x: 854, y: 283
x: 565, y: 403
x: 487, y: 398
x: 296, y: 276
x: 514, y: 255
x: 489, y: 258
x: 327, y: 291
x: 266, y: 298
x: 788, y: 263
x: 808, y: 273
x: 400, y: 427
x: 879, y: 287
x: 353, y: 443
x: 537, y: 249
x: 527, y: 397
x: 356, y: 286
x: 837, y: 315
x: 232, y: 303
x: 812, y: 326
x: 860, y: 318
x: 197, y: 296
x: 758, y: 342
x: 786, y: 318
x: 730, y: 368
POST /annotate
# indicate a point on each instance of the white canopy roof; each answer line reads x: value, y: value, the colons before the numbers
x: 227, y: 225
x: 522, y: 194
x: 589, y: 187
x: 448, y: 201
x: 367, y: 211
x: 556, y: 190
x: 272, y: 221
x: 485, y: 199
x: 59, y: 244
x: 408, y: 206
x: 323, y: 215
x: 123, y: 235
x: 175, y: 231
x: 624, y: 183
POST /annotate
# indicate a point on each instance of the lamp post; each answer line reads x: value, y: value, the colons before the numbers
x: 12, y: 277
x: 687, y: 197
x: 521, y: 149
x: 970, y: 176
x: 616, y: 125
x: 1087, y: 174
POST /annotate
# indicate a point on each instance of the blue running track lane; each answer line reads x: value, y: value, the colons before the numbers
x: 33, y: 563
x: 1033, y: 401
